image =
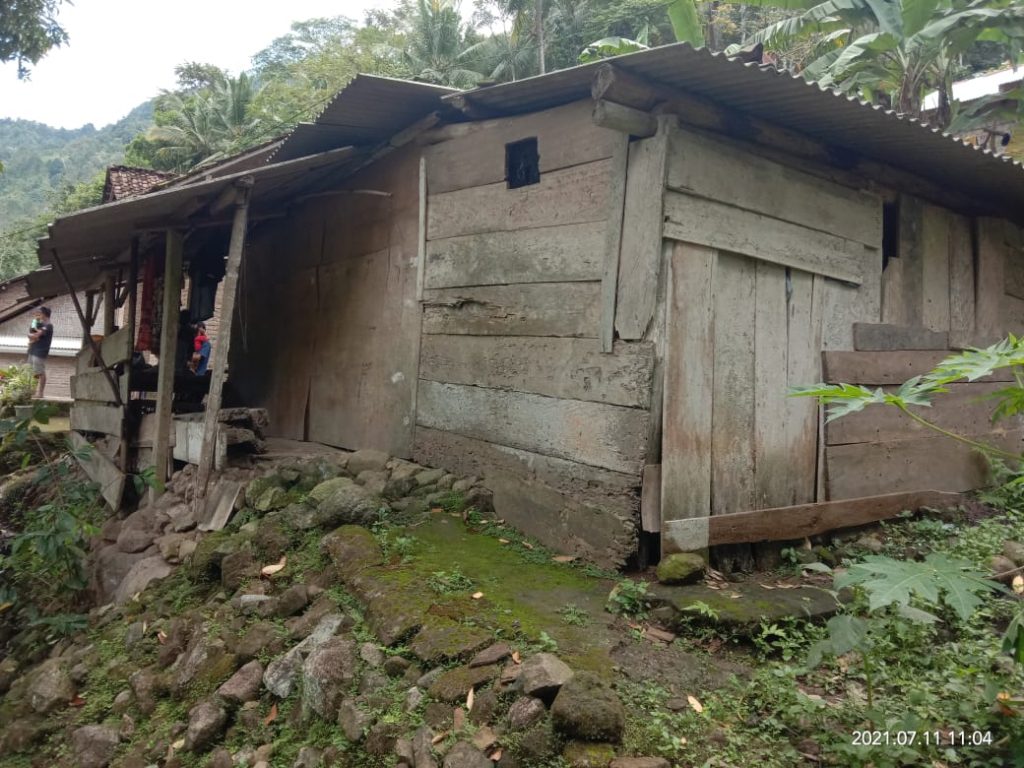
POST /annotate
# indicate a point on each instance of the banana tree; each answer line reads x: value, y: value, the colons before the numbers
x: 896, y: 50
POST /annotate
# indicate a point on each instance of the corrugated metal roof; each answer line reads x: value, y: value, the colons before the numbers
x: 789, y: 101
x: 368, y: 110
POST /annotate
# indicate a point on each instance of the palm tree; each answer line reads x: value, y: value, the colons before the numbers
x: 436, y: 48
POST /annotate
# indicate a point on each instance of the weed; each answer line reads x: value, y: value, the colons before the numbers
x: 449, y: 582
x: 629, y: 598
x: 573, y: 615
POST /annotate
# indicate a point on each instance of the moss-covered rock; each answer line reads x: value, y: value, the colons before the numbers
x: 587, y: 708
x: 442, y: 640
x: 326, y: 487
x: 259, y: 487
x: 352, y: 548
x: 454, y: 684
x: 582, y: 754
x: 681, y: 568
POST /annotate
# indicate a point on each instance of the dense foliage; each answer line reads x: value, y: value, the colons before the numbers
x: 28, y: 29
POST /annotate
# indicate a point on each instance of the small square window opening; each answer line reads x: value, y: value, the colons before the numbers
x: 522, y: 163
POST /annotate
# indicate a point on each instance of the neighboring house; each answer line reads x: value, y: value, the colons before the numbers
x: 593, y: 288
x: 999, y: 135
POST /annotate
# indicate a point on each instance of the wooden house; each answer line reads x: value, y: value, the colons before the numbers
x: 592, y: 288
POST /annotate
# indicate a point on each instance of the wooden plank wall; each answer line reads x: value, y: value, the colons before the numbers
x: 513, y: 383
x: 881, y: 451
x: 335, y: 360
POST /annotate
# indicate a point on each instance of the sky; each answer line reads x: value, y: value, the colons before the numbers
x: 122, y: 52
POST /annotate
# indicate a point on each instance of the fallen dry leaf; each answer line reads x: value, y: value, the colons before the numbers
x: 477, y: 595
x: 161, y: 637
x: 272, y: 716
x: 469, y: 700
x: 440, y: 737
x: 270, y: 570
x: 695, y: 704
x: 528, y: 545
x: 78, y: 701
x: 503, y: 541
x: 516, y: 658
x: 563, y: 558
x: 179, y: 744
x: 766, y: 586
x: 735, y: 595
x: 1018, y: 584
x: 500, y: 521
x: 435, y: 510
x: 659, y: 635
x: 454, y: 514
x: 496, y: 755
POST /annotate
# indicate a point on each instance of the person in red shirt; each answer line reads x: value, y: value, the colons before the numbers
x: 200, y: 351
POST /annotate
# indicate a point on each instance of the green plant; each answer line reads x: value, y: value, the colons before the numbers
x: 547, y: 643
x: 574, y: 615
x: 17, y: 383
x: 449, y: 582
x: 629, y: 598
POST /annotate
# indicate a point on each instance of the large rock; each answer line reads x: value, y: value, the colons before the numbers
x: 206, y: 721
x: 347, y: 504
x: 147, y: 686
x: 444, y: 640
x: 205, y: 664
x: 582, y: 754
x: 543, y: 674
x: 465, y: 755
x: 680, y: 568
x: 108, y: 569
x: 244, y: 685
x: 322, y: 490
x: 352, y: 720
x: 140, y: 576
x: 261, y: 637
x: 327, y: 674
x: 259, y: 488
x: 586, y: 708
x: 525, y: 712
x: 50, y: 687
x: 453, y: 684
x: 367, y: 459
x: 238, y: 567
x: 283, y: 672
x: 94, y: 746
x: 352, y: 548
x: 139, y: 530
x: 423, y: 748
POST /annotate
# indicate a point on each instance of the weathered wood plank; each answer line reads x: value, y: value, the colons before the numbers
x: 720, y: 171
x: 641, y: 249
x: 801, y: 521
x: 613, y: 241
x: 961, y: 280
x: 100, y: 470
x: 607, y: 436
x: 574, y: 369
x: 965, y: 409
x: 732, y: 450
x: 876, y: 337
x: 845, y: 304
x: 772, y: 454
x: 96, y: 417
x: 650, y: 499
x: 570, y: 196
x: 94, y: 385
x: 539, y: 309
x: 689, y: 376
x: 115, y: 349
x: 991, y: 280
x: 1014, y: 277
x: 806, y: 326
x: 935, y: 279
x: 570, y: 253
x: 473, y: 154
x: 882, y: 368
x: 905, y: 465
x: 629, y: 121
x: 704, y: 222
x: 173, y: 255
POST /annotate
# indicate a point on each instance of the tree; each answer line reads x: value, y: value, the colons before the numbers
x: 439, y: 47
x: 895, y: 51
x: 28, y: 30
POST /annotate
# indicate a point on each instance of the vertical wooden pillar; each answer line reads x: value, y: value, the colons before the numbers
x: 90, y: 299
x: 133, y: 293
x: 168, y: 354
x: 227, y: 313
x: 108, y: 303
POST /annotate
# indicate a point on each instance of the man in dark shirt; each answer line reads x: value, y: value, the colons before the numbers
x: 39, y: 338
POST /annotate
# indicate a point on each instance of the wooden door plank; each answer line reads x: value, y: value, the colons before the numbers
x: 597, y: 434
x: 710, y: 168
x: 876, y: 337
x: 844, y: 305
x: 935, y: 227
x: 882, y: 368
x: 696, y: 220
x: 961, y: 280
x: 94, y: 385
x: 537, y: 309
x: 772, y: 456
x: 687, y: 399
x: 991, y: 282
x: 640, y: 256
x: 575, y: 369
x: 806, y: 322
x: 613, y: 240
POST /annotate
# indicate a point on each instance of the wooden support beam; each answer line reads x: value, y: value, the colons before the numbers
x: 878, y: 337
x: 611, y: 83
x: 109, y: 291
x: 234, y: 195
x: 800, y: 521
x: 617, y: 117
x: 133, y: 293
x: 90, y: 299
x: 227, y: 312
x: 613, y: 242
x: 168, y: 354
x: 87, y: 329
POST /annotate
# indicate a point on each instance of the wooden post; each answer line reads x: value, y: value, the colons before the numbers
x: 227, y: 311
x: 168, y: 354
x: 90, y: 297
x: 108, y: 304
x: 133, y: 292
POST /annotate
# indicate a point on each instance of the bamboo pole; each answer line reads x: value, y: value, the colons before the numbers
x: 227, y: 312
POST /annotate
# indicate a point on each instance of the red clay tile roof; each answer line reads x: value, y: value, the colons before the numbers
x: 123, y: 182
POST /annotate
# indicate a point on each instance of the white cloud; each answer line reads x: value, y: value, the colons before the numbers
x: 123, y: 52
